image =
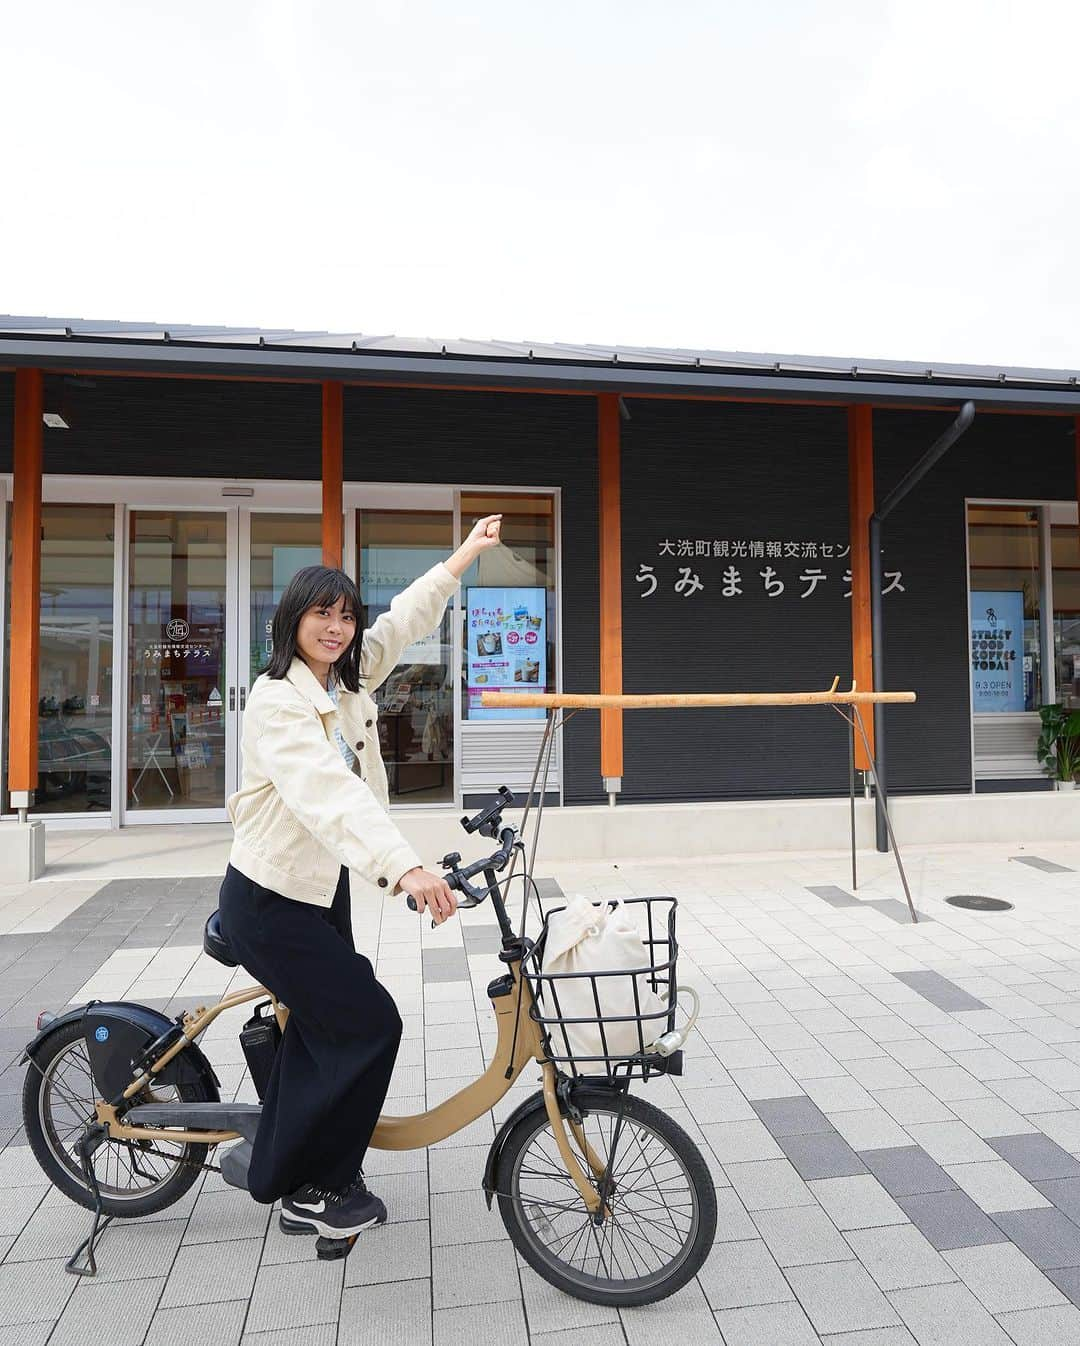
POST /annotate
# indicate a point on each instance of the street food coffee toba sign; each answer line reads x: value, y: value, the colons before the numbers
x: 997, y: 644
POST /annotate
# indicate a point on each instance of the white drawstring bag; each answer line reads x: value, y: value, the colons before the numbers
x: 588, y: 938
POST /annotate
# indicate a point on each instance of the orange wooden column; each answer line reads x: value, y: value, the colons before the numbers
x: 860, y: 507
x: 25, y: 588
x: 611, y: 634
x: 333, y: 455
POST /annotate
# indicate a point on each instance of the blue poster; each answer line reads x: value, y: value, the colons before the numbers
x: 997, y: 650
x: 505, y: 647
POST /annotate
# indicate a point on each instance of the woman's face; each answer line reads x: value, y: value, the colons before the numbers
x: 324, y: 634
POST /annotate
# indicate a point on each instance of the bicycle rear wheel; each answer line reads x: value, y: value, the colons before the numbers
x: 662, y: 1217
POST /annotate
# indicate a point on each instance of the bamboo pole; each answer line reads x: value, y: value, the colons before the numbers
x: 666, y: 700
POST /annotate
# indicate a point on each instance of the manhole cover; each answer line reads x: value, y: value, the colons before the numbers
x: 973, y: 902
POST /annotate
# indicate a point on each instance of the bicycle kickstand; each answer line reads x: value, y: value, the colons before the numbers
x: 91, y: 1140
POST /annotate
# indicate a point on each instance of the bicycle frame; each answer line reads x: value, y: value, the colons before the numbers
x: 517, y: 1044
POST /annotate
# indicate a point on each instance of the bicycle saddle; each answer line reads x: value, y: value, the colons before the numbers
x: 214, y: 942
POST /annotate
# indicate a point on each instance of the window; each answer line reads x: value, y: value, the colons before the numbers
x: 508, y: 604
x: 1006, y: 605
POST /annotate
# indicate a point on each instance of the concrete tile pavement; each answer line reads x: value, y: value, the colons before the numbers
x: 889, y: 1112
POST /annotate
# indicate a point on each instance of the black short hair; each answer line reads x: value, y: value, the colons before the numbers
x: 315, y: 587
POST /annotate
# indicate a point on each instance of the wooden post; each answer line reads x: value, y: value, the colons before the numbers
x: 333, y: 423
x: 860, y: 507
x: 611, y: 668
x: 25, y: 589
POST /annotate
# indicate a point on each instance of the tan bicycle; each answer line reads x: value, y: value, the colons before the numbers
x: 601, y: 1192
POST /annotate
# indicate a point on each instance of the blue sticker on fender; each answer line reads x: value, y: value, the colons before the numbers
x: 101, y: 1033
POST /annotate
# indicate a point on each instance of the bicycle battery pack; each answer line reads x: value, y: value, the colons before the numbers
x: 260, y: 1039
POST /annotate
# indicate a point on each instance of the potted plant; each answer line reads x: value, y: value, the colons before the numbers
x: 1058, y: 748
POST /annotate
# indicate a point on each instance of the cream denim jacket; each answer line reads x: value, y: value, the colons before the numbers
x: 300, y: 813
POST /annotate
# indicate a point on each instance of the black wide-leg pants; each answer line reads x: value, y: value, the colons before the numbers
x: 333, y: 1067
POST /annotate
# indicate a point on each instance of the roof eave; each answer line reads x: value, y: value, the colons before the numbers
x: 360, y: 366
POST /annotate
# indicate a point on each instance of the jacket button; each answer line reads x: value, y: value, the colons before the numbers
x: 359, y: 745
x: 384, y: 883
x: 368, y: 724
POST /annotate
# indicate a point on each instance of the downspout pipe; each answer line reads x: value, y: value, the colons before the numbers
x: 937, y: 450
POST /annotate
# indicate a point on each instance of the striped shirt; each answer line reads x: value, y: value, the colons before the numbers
x: 346, y: 752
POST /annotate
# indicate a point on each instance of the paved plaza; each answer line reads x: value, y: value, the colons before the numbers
x: 891, y: 1113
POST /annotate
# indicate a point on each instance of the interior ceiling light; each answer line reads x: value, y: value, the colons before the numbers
x: 54, y: 420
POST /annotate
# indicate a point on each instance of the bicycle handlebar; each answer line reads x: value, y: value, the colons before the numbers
x: 458, y: 878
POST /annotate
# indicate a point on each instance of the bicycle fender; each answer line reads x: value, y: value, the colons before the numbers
x: 115, y: 1033
x: 30, y: 1050
x: 491, y: 1167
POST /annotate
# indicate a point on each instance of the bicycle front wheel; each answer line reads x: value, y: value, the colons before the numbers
x: 661, y: 1217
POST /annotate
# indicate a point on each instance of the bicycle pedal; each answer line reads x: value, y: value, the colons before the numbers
x: 288, y: 1226
x: 330, y: 1250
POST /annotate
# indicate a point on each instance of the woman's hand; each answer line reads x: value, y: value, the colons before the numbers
x: 430, y: 894
x: 485, y: 534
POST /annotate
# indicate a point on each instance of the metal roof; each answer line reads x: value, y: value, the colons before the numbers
x: 360, y: 357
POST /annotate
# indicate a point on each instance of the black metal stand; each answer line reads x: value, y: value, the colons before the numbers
x: 881, y: 803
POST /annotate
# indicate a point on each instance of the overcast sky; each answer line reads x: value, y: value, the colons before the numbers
x: 839, y: 177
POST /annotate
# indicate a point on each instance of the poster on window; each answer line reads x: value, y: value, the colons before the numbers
x: 997, y: 650
x: 506, y: 647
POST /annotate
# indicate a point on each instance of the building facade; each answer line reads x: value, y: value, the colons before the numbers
x: 672, y: 523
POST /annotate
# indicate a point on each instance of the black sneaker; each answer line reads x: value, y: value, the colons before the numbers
x: 334, y: 1214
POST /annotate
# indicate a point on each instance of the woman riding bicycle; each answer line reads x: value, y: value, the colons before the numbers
x: 312, y: 805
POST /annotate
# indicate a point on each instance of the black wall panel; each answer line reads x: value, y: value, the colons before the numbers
x: 734, y: 475
x: 183, y: 428
x: 515, y: 440
x: 926, y: 634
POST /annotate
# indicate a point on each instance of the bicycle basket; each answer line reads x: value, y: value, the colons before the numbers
x: 581, y: 1032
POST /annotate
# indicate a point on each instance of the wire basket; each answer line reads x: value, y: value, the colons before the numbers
x: 622, y: 1041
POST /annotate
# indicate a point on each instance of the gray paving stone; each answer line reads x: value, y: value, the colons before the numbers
x: 836, y: 897
x: 997, y: 1186
x: 950, y: 1142
x: 1037, y: 862
x: 209, y: 1273
x: 1036, y: 1157
x: 840, y: 1297
x: 792, y: 1116
x: 390, y: 1315
x: 950, y: 1220
x: 26, y: 1334
x: 1064, y: 1193
x: 768, y: 1184
x: 907, y: 1171
x: 458, y: 1281
x: 1002, y: 1278
x: 33, y: 1292
x: 1044, y: 1327
x: 899, y: 1257
x: 550, y: 1310
x: 463, y: 1217
x: 870, y: 1129
x: 877, y: 1336
x: 732, y: 1221
x: 736, y: 1275
x: 390, y: 1252
x: 739, y: 1142
x: 776, y: 1324
x: 117, y: 1312
x: 219, y: 1216
x: 606, y: 1334
x: 821, y: 1156
x: 1067, y: 1280
x: 857, y: 1203
x: 939, y: 990
x: 204, y: 1324
x: 296, y: 1294
x: 683, y: 1318
x: 1049, y: 1238
x: 947, y: 1315
x: 482, y: 1325
x: 801, y: 1236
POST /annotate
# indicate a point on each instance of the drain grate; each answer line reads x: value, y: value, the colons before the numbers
x: 974, y: 902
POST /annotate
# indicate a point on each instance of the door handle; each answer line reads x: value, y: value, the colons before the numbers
x: 243, y: 697
x: 232, y: 698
